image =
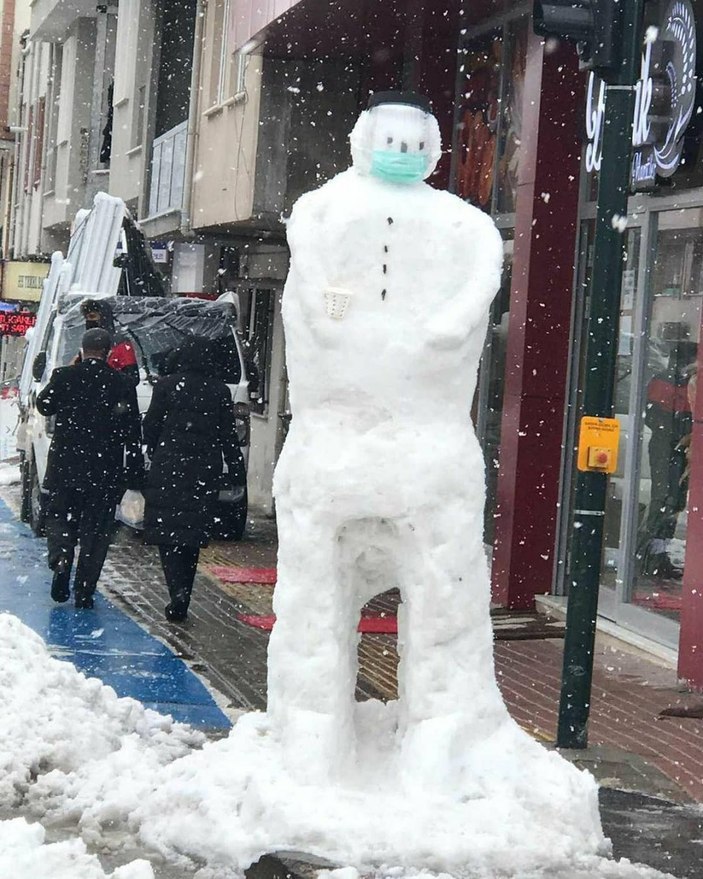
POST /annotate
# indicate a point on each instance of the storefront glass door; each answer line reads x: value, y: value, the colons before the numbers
x: 671, y: 331
x: 646, y: 508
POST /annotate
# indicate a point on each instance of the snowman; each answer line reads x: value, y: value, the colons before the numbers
x: 381, y: 480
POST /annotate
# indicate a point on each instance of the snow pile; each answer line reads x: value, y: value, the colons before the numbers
x: 66, y: 740
x: 23, y: 855
x: 72, y: 752
x: 10, y: 474
x: 235, y: 800
x: 583, y: 868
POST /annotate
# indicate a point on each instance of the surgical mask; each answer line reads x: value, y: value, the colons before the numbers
x: 397, y: 167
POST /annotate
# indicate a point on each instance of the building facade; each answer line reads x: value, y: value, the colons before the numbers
x: 534, y: 365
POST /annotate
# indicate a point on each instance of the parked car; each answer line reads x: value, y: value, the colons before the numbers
x: 105, y: 267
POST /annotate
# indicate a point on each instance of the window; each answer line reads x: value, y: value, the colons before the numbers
x: 238, y: 70
x: 30, y: 141
x: 139, y: 117
x: 39, y: 141
x: 67, y: 90
x: 127, y: 36
x: 258, y: 350
x: 221, y: 57
x: 53, y: 102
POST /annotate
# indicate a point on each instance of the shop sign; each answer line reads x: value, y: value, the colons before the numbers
x: 159, y: 252
x: 16, y: 323
x: 664, y: 100
x: 24, y: 280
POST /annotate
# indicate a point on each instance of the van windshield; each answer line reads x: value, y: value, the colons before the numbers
x: 157, y: 327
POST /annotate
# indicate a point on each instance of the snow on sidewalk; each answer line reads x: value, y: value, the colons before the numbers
x: 23, y: 855
x: 9, y: 474
x: 73, y: 753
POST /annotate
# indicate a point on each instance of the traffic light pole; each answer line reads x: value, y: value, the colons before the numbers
x: 601, y: 353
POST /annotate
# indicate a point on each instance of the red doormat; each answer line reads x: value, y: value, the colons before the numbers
x: 266, y: 576
x: 367, y: 624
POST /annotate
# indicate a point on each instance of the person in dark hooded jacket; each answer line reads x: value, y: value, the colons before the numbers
x: 188, y: 430
x: 95, y: 454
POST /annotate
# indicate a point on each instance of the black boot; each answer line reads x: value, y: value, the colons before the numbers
x: 60, y: 588
x: 175, y: 614
x: 83, y: 596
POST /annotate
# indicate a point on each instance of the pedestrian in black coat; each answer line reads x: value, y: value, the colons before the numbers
x: 188, y: 430
x: 95, y: 454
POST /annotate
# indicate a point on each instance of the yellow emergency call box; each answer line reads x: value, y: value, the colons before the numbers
x: 599, y: 439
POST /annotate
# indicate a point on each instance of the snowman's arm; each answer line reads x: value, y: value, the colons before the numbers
x: 307, y: 276
x: 462, y: 313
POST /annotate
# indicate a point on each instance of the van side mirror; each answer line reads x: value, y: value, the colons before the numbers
x: 121, y: 261
x: 38, y: 366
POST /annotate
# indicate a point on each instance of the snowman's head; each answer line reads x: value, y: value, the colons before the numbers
x: 397, y: 139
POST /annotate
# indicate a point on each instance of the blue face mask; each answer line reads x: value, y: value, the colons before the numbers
x: 395, y: 167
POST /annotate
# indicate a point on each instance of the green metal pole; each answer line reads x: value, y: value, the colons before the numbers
x: 601, y: 351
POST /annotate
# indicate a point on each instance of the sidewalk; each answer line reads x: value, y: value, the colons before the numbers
x: 651, y: 767
x: 104, y: 642
x: 631, y: 744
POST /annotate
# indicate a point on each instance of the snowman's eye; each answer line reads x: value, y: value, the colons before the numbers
x: 422, y: 144
x: 389, y: 141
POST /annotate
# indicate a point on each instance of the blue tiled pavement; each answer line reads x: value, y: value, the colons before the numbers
x: 104, y: 642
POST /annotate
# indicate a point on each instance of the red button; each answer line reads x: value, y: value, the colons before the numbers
x: 602, y: 458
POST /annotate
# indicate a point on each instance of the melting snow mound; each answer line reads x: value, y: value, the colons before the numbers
x: 72, y: 751
x: 23, y: 855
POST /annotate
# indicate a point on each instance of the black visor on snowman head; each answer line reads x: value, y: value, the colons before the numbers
x: 397, y: 139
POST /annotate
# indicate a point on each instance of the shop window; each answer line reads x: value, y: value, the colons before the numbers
x: 510, y: 129
x: 673, y: 329
x: 489, y: 132
x: 491, y: 390
x: 259, y: 339
x: 479, y: 103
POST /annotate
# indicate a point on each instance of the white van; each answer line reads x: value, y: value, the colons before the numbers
x: 108, y: 259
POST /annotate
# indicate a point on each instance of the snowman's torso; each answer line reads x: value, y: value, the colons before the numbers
x: 402, y: 257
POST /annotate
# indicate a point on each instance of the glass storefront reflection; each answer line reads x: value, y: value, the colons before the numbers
x: 673, y: 322
x: 617, y: 485
x: 489, y: 132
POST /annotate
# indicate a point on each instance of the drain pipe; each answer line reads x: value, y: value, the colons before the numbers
x: 193, y: 121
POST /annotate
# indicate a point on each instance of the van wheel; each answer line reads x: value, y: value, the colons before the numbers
x: 37, y: 513
x: 25, y: 505
x: 232, y: 520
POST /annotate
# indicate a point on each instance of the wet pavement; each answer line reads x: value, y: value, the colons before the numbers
x: 664, y: 835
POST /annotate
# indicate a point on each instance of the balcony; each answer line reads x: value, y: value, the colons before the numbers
x: 51, y: 19
x: 168, y: 164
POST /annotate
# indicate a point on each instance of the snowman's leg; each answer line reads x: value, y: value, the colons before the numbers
x: 446, y: 679
x: 312, y: 651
